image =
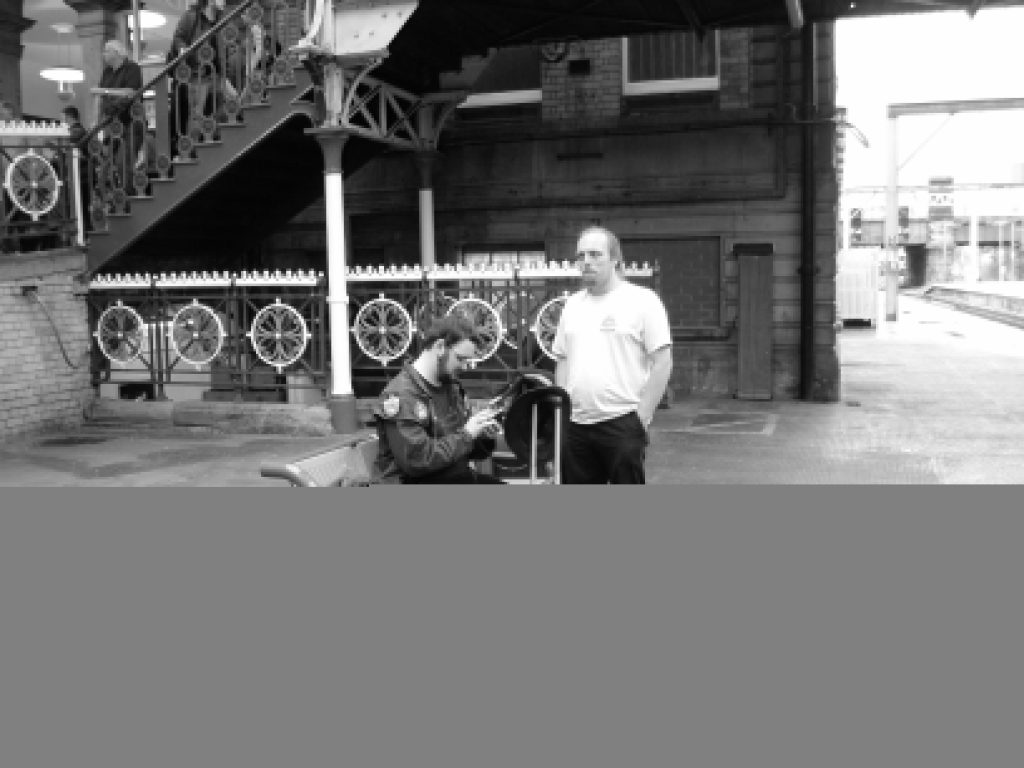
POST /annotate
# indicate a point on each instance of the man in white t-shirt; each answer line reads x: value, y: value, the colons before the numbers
x: 614, y: 355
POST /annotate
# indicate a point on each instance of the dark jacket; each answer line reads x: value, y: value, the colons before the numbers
x: 192, y: 25
x: 128, y: 75
x: 420, y: 429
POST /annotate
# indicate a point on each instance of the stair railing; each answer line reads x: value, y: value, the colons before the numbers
x: 207, y: 85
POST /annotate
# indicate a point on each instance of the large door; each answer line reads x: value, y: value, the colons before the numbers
x: 755, y: 322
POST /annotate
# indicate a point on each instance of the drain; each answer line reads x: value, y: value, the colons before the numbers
x: 71, y: 440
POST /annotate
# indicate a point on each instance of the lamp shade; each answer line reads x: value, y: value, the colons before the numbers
x: 149, y: 19
x: 63, y: 74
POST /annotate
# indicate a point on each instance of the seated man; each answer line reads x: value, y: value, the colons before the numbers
x: 426, y: 432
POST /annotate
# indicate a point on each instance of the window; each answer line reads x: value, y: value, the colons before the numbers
x: 512, y: 77
x: 670, y: 62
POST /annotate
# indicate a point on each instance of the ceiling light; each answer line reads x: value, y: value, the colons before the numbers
x: 150, y: 20
x: 63, y: 74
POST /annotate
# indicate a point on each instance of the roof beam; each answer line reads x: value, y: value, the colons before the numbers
x: 687, y: 9
x: 952, y: 107
x: 796, y: 13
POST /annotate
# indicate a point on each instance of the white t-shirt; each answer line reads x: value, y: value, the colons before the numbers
x: 605, y: 343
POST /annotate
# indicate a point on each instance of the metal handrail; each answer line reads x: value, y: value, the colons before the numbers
x: 198, y: 43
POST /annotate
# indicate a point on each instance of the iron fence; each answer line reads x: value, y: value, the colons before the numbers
x: 266, y: 336
x: 39, y: 171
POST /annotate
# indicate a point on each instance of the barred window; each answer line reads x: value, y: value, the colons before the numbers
x: 667, y: 62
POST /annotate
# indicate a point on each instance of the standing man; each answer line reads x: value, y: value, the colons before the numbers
x: 120, y: 72
x: 426, y: 432
x: 613, y: 353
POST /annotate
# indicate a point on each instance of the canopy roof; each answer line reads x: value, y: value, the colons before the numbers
x: 440, y: 32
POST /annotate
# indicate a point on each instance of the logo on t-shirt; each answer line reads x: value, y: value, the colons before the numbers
x: 608, y: 324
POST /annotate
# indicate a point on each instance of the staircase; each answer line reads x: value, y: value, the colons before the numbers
x: 212, y: 211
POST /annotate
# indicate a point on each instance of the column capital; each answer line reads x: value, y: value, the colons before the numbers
x: 332, y: 144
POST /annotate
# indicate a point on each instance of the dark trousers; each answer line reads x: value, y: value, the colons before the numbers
x: 458, y: 474
x: 611, y: 451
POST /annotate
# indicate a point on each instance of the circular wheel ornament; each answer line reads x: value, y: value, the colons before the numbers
x: 141, y: 181
x: 485, y: 321
x: 119, y: 333
x: 98, y: 212
x: 196, y: 333
x: 205, y: 54
x: 508, y: 306
x: 253, y: 14
x: 32, y: 184
x: 278, y: 335
x: 383, y: 330
x: 182, y: 72
x: 185, y: 145
x: 546, y: 323
x: 163, y: 164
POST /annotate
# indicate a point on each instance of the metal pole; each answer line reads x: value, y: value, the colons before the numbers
x: 533, y: 445
x: 341, y: 400
x: 891, y: 238
x: 137, y: 32
x: 425, y: 163
x: 76, y: 179
x: 808, y: 204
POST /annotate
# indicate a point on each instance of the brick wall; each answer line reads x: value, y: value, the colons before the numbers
x: 38, y: 389
x: 734, y: 69
x: 585, y: 98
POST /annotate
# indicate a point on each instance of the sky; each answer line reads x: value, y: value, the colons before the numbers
x: 933, y: 57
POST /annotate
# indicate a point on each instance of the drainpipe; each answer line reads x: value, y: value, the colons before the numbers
x: 809, y: 89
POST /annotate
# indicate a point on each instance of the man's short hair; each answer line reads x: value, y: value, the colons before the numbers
x: 614, y: 247
x: 72, y: 113
x: 115, y: 45
x: 451, y: 329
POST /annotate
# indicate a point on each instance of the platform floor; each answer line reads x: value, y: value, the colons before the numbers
x: 933, y: 397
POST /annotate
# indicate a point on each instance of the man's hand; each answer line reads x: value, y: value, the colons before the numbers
x: 482, y: 423
x: 645, y: 417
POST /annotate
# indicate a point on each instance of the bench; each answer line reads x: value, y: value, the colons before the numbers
x: 348, y: 464
x: 351, y: 464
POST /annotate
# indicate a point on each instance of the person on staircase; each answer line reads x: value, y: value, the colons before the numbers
x: 204, y: 92
x: 123, y: 74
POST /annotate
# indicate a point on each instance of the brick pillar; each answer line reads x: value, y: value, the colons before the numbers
x: 12, y: 24
x: 734, y: 74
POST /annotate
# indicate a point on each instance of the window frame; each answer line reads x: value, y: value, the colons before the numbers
x: 673, y: 85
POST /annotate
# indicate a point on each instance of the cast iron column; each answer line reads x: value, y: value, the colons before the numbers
x: 341, y: 400
x: 425, y: 161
